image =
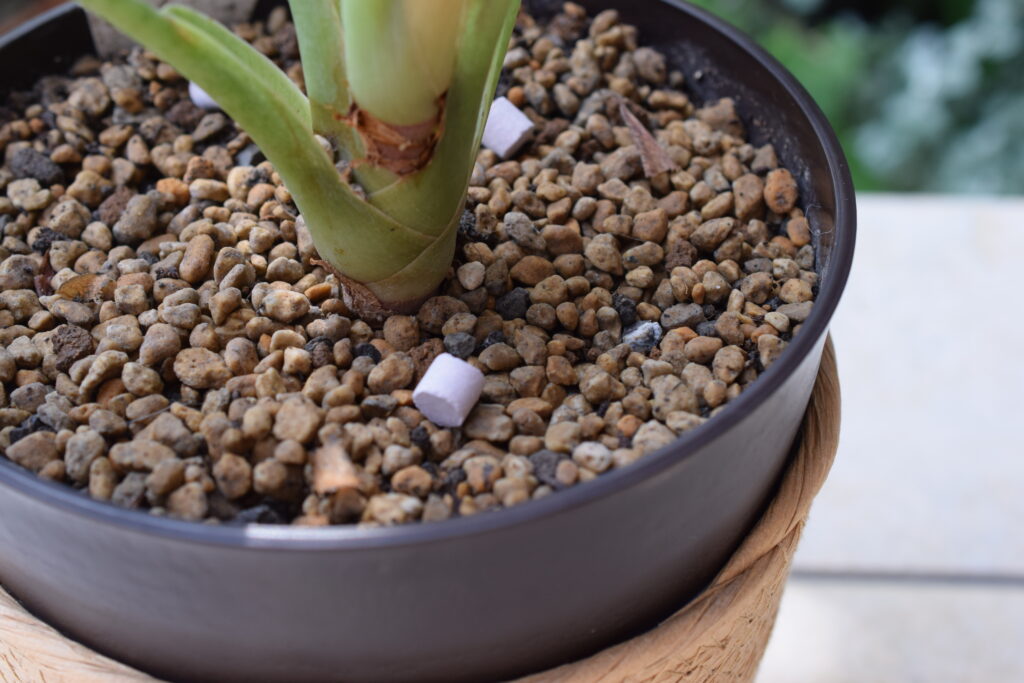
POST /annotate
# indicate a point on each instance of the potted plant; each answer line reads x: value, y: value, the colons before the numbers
x: 634, y: 271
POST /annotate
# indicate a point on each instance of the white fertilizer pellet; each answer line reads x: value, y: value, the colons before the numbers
x: 200, y: 98
x: 448, y: 391
x: 507, y: 128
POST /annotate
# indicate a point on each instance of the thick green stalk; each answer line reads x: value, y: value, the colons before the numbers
x: 398, y: 252
x: 429, y: 197
x: 357, y: 239
x: 323, y: 63
x: 401, y: 55
x: 322, y: 47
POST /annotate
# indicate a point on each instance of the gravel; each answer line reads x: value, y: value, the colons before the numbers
x: 169, y: 342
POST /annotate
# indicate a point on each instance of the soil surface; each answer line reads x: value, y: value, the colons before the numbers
x: 168, y: 343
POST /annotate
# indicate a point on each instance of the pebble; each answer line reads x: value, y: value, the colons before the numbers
x: 29, y: 396
x: 140, y: 380
x: 593, y: 455
x: 748, y: 193
x: 81, y: 450
x: 140, y: 455
x: 531, y: 270
x: 461, y: 345
x: 188, y: 502
x: 551, y: 290
x: 35, y: 451
x: 729, y: 363
x: 160, y: 343
x: 712, y: 233
x: 471, y: 275
x: 780, y: 191
x: 545, y: 467
x: 26, y: 162
x: 297, y: 420
x: 138, y: 221
x: 796, y: 291
x: 198, y: 259
x: 769, y: 347
x: 402, y: 332
x: 522, y: 230
x: 500, y: 357
x: 489, y: 422
x: 799, y: 231
x: 89, y: 188
x: 285, y: 305
x: 796, y: 313
x: 682, y: 315
x: 394, y: 372
x: 514, y: 304
x: 642, y: 337
x: 603, y: 251
x: 651, y: 436
x: 413, y: 481
x: 105, y: 366
x: 166, y: 477
x: 562, y: 437
x: 167, y: 429
x: 702, y: 349
x: 200, y: 368
x: 233, y: 475
x: 436, y: 311
x: 27, y: 195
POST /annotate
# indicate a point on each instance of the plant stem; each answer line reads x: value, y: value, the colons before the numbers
x: 401, y: 54
x: 323, y: 62
x: 397, y: 244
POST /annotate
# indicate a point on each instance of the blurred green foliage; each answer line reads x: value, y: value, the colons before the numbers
x: 926, y: 95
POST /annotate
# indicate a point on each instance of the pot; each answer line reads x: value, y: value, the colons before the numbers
x: 490, y: 596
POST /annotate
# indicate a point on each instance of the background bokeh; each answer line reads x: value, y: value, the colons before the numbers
x: 926, y: 95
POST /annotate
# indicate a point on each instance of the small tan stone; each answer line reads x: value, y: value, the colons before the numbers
x: 34, y: 451
x: 201, y: 369
x: 198, y: 259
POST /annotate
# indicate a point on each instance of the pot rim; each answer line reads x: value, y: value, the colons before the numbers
x: 351, y: 538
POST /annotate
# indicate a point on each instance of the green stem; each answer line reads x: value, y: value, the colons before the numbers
x: 323, y: 63
x: 400, y: 55
x: 427, y: 199
x: 400, y: 243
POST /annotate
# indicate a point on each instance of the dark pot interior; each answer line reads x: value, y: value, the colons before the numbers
x: 484, y: 597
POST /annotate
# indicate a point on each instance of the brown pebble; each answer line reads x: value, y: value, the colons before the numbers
x: 233, y: 475
x: 139, y: 455
x: 34, y: 451
x: 284, y: 305
x: 394, y: 372
x: 188, y: 502
x: 780, y: 191
x: 799, y: 231
x: 702, y: 349
x: 161, y: 342
x: 748, y: 191
x: 201, y: 368
x: 198, y: 259
x: 796, y: 291
x: 500, y: 357
x: 531, y: 269
x: 412, y: 481
x: 298, y: 419
x: 402, y: 332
